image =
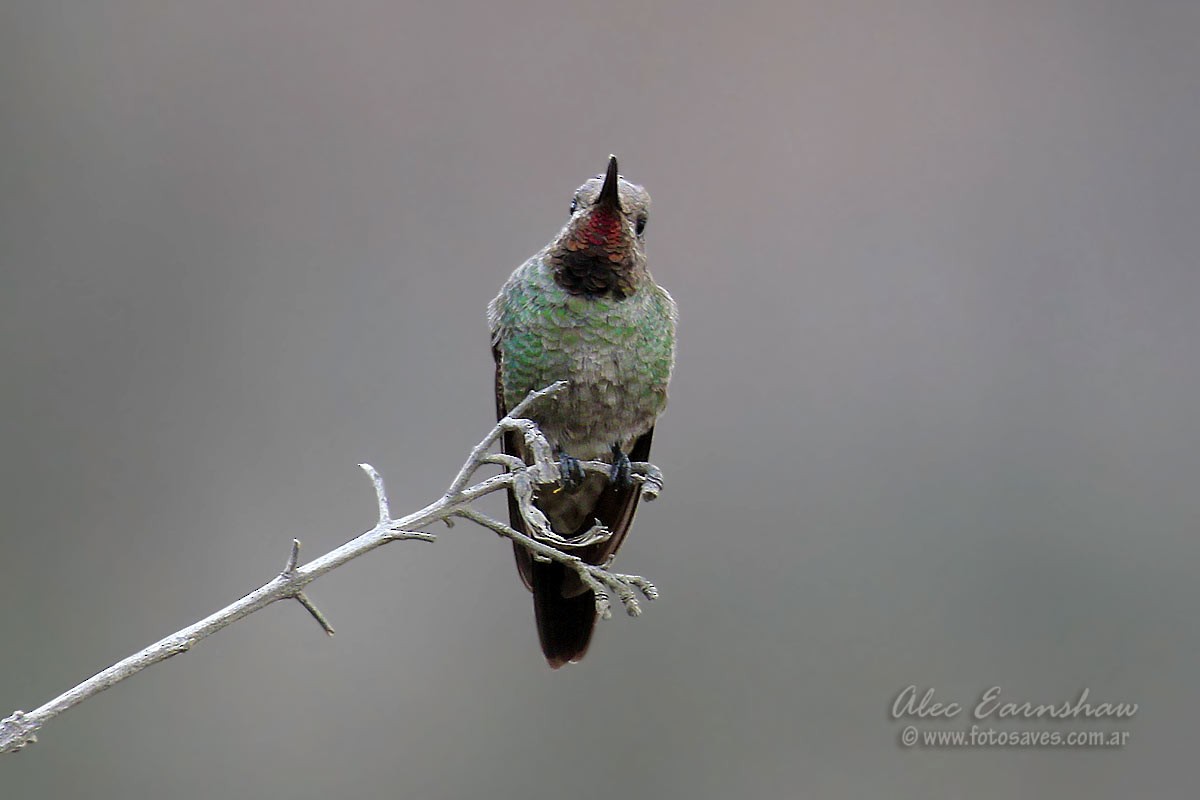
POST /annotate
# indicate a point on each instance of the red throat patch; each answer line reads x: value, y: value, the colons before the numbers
x: 595, y: 257
x: 603, y: 227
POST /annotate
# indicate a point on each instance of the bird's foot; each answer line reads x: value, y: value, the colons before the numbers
x: 621, y: 474
x: 570, y: 471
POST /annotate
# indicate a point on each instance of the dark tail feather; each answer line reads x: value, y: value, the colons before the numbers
x: 564, y: 623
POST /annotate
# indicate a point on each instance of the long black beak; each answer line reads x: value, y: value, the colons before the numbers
x: 609, y: 197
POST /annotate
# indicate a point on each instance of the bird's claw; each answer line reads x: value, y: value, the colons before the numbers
x: 621, y: 474
x: 571, y: 473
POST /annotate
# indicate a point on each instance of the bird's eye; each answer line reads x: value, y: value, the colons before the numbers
x: 641, y: 224
x: 574, y: 205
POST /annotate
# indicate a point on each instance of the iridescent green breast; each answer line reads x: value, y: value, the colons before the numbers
x: 617, y: 354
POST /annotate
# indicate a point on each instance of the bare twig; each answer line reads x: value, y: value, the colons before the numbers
x: 289, y: 569
x: 594, y: 577
x: 20, y: 728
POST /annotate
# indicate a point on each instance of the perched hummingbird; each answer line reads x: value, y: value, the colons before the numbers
x: 584, y: 309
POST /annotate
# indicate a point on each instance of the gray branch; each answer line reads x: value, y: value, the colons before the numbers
x: 20, y: 728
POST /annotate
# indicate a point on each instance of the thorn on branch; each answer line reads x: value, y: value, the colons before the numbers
x: 316, y: 613
x: 289, y: 575
x: 385, y: 514
x: 289, y: 569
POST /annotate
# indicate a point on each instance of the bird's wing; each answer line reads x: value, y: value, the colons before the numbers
x: 509, y: 445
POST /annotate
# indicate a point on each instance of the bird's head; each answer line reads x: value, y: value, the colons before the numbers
x: 602, y: 248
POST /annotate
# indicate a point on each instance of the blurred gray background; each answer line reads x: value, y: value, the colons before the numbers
x: 934, y: 420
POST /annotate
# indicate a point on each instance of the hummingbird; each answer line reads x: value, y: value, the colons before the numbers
x: 585, y: 309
